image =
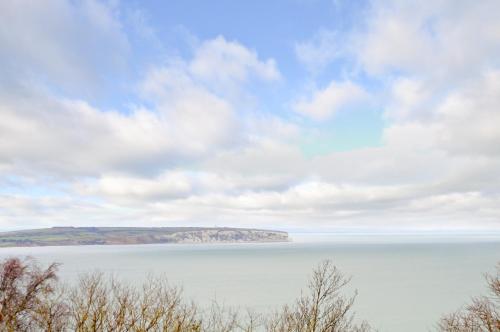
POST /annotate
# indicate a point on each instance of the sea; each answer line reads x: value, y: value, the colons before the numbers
x: 405, y: 282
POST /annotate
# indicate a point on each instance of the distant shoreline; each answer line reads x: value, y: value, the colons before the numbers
x: 71, y: 236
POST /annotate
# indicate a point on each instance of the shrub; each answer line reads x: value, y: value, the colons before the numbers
x: 32, y: 300
x: 483, y: 314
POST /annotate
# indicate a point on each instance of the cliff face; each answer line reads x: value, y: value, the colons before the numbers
x: 61, y: 236
x: 230, y: 235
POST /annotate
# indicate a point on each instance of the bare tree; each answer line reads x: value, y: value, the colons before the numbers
x: 322, y: 309
x: 221, y: 319
x: 31, y: 300
x: 483, y: 314
x: 252, y: 322
x: 101, y: 305
x: 26, y: 297
x: 89, y: 304
x: 51, y: 315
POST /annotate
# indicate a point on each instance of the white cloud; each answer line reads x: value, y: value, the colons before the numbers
x: 44, y: 134
x: 311, y: 204
x: 469, y: 118
x: 198, y: 118
x: 187, y: 120
x: 69, y: 44
x: 324, y: 103
x: 191, y: 152
x: 166, y: 186
x: 320, y: 51
x: 394, y: 39
x: 443, y: 39
x: 177, y: 184
x: 463, y: 121
x: 224, y: 62
x: 409, y: 99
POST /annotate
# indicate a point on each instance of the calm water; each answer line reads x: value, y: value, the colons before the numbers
x: 405, y: 283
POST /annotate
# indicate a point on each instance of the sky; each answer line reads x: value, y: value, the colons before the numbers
x: 296, y: 115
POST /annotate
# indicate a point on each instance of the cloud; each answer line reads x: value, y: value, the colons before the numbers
x: 462, y: 121
x: 186, y: 120
x: 322, y: 49
x: 468, y: 118
x: 177, y: 184
x: 61, y: 136
x: 188, y: 150
x: 444, y: 39
x: 324, y: 103
x: 224, y: 62
x: 166, y: 186
x: 309, y: 204
x: 68, y: 44
x: 199, y: 118
x: 410, y: 98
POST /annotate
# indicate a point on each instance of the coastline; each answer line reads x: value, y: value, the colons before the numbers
x: 91, y: 236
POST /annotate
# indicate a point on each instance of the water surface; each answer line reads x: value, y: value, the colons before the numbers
x: 405, y: 283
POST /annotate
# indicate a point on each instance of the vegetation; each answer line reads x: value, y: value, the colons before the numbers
x: 483, y: 314
x: 31, y: 299
x: 323, y: 308
x: 63, y: 236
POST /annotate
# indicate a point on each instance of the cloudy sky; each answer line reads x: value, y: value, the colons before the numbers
x: 301, y: 114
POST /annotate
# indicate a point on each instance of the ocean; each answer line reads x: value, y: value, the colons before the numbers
x: 404, y: 282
